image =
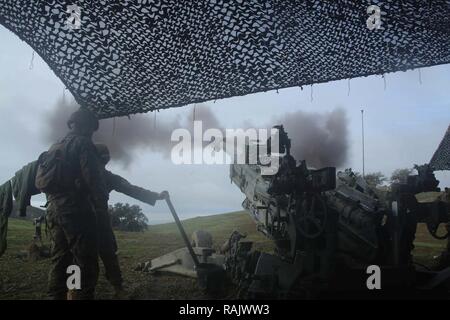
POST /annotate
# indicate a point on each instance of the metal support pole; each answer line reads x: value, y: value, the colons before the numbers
x: 362, y: 129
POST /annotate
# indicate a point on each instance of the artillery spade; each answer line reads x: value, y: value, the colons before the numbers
x: 210, y: 276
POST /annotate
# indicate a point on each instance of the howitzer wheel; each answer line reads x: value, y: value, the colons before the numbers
x: 311, y: 216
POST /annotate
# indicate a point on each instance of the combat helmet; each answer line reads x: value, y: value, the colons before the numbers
x: 83, y: 118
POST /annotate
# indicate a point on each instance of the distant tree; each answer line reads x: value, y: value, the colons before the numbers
x: 400, y: 175
x: 128, y: 218
x: 375, y: 179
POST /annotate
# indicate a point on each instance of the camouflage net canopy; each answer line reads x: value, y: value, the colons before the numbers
x: 441, y: 158
x: 137, y: 56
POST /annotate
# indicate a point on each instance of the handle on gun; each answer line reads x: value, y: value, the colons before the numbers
x: 183, y: 234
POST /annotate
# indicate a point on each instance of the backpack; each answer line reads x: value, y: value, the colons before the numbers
x: 54, y: 172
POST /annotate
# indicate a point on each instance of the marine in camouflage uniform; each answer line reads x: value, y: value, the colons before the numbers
x: 71, y: 214
x: 107, y: 240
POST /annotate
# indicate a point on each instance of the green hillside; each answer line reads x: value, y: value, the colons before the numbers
x: 24, y: 279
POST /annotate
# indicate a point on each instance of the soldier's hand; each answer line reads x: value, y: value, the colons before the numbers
x: 163, y: 195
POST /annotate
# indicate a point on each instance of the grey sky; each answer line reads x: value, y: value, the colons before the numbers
x: 404, y: 124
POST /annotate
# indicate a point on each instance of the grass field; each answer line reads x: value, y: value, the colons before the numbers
x: 21, y: 278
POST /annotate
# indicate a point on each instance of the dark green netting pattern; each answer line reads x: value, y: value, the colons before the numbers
x: 137, y: 56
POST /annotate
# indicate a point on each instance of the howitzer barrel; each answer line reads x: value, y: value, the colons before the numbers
x: 322, y: 222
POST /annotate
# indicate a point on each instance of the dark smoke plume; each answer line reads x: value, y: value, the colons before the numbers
x: 125, y: 135
x: 319, y: 138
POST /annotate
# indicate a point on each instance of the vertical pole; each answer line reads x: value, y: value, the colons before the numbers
x: 362, y: 131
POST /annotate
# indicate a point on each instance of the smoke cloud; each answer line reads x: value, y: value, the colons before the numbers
x: 125, y: 135
x: 319, y: 138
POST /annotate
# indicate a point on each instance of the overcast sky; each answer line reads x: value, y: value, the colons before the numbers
x: 405, y: 119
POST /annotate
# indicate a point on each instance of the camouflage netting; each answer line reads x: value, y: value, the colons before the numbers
x: 137, y: 56
x: 441, y: 158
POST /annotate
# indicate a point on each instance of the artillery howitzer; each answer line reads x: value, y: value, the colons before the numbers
x: 328, y: 228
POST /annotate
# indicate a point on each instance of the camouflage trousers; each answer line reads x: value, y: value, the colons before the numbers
x: 72, y: 228
x: 108, y: 250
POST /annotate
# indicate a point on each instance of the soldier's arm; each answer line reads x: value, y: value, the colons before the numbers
x: 121, y: 185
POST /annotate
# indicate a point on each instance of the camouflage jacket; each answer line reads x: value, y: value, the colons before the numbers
x: 89, y: 180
